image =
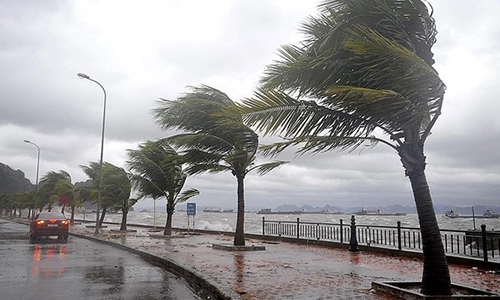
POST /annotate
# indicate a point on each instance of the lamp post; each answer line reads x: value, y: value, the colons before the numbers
x: 37, y: 168
x: 85, y: 76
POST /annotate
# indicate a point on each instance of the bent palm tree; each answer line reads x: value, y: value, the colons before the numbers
x: 115, y: 188
x: 366, y: 69
x: 56, y: 186
x: 216, y: 140
x: 157, y: 172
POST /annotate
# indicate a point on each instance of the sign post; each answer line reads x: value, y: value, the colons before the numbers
x: 191, y: 211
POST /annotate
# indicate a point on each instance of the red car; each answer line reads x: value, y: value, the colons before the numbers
x: 49, y: 224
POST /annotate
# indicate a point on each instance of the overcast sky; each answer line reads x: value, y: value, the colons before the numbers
x: 144, y: 50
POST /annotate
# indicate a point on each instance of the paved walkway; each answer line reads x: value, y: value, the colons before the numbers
x: 286, y: 270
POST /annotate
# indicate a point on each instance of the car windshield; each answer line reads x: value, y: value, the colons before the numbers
x: 51, y: 215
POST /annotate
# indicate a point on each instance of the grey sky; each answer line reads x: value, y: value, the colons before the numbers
x: 143, y: 50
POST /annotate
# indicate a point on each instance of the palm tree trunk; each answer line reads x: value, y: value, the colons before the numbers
x: 123, y: 225
x: 168, y: 225
x: 170, y: 212
x: 103, y: 214
x: 436, y: 276
x: 239, y: 235
x: 72, y: 214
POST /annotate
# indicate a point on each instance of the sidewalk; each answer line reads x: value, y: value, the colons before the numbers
x: 284, y: 270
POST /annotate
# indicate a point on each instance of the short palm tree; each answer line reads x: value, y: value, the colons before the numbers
x: 157, y: 173
x: 216, y: 140
x: 22, y: 201
x: 66, y: 191
x: 364, y: 72
x: 55, y: 186
x: 115, y: 189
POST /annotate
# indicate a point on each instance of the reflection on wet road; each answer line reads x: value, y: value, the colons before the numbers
x: 79, y: 269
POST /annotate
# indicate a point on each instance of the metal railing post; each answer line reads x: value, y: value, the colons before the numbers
x: 353, y: 242
x: 341, y: 231
x: 263, y: 226
x: 399, y: 235
x: 485, y: 246
x: 298, y: 228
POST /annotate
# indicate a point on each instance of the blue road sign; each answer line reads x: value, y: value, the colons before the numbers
x: 191, y: 209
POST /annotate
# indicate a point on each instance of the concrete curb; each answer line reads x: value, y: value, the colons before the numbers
x: 203, y: 287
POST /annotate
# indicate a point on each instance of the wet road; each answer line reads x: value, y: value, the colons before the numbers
x: 78, y: 269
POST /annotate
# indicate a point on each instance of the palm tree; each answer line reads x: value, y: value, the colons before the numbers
x: 56, y: 186
x: 23, y: 202
x: 216, y: 140
x: 157, y: 173
x: 125, y: 206
x: 115, y: 188
x: 364, y: 72
x: 82, y: 194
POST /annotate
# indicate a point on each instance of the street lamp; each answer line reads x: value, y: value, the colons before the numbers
x: 85, y: 76
x: 37, y: 168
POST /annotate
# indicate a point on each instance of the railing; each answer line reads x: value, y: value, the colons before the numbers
x: 476, y: 243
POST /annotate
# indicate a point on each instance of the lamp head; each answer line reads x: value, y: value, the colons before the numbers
x: 26, y: 141
x: 83, y: 76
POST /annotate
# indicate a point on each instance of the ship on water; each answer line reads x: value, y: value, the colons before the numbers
x: 488, y: 214
x: 218, y: 210
x: 268, y: 211
x: 377, y: 212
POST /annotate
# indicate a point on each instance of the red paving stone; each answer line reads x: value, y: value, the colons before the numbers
x: 287, y: 270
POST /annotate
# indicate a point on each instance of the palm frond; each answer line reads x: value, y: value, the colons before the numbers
x: 186, y: 195
x: 318, y: 144
x: 201, y: 141
x: 267, y: 167
x: 207, y: 167
x: 277, y: 113
x: 157, y: 170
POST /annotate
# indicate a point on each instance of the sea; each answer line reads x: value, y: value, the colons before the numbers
x: 226, y: 221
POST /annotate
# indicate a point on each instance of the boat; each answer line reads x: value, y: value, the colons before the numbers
x: 491, y: 214
x: 377, y: 212
x: 218, y: 210
x: 452, y: 214
x: 212, y: 209
x: 488, y: 214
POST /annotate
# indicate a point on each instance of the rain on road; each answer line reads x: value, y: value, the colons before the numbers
x: 78, y: 269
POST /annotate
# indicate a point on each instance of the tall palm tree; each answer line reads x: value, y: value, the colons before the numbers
x: 216, y: 140
x: 157, y: 173
x: 115, y: 187
x: 364, y: 72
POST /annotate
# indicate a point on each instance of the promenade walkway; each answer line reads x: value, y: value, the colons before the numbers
x: 285, y: 270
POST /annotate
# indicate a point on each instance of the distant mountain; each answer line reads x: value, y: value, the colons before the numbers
x: 305, y: 207
x: 13, y: 181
